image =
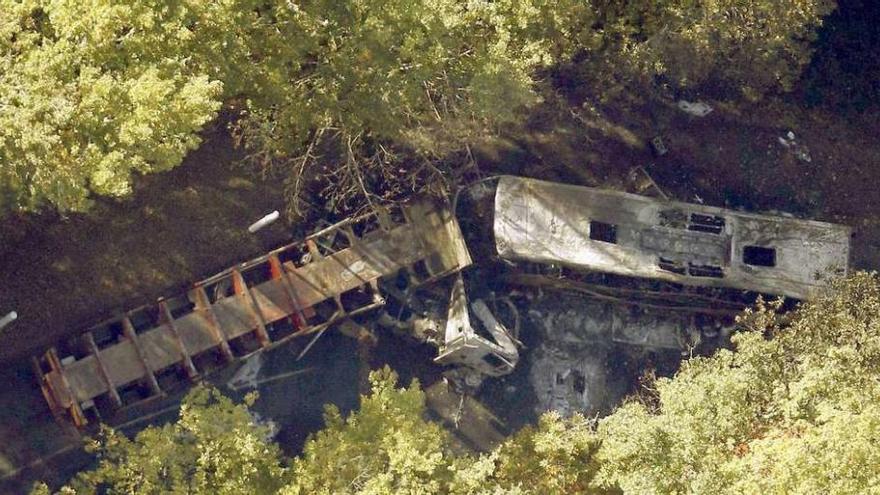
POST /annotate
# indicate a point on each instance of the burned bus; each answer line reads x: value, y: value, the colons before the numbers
x: 590, y: 229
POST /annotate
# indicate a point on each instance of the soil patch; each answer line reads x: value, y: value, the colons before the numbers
x: 64, y: 274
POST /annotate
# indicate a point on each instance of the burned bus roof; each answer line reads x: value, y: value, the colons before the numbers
x: 616, y: 232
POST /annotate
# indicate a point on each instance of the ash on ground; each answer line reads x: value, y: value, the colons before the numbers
x: 590, y: 353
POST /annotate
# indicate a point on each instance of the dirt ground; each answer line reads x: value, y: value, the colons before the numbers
x: 63, y: 274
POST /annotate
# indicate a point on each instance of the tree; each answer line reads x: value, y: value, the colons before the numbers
x: 554, y: 457
x: 741, y: 48
x: 215, y: 447
x: 91, y: 92
x: 386, y: 447
x: 380, y: 90
x: 94, y: 91
x: 792, y: 410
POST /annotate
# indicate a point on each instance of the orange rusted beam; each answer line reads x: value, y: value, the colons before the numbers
x: 241, y: 288
x: 298, y: 320
x: 313, y: 249
x: 166, y: 318
x: 111, y: 387
x: 54, y: 407
x: 204, y: 304
x: 130, y: 334
x: 79, y: 419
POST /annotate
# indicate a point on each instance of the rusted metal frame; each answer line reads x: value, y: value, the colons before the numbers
x: 338, y: 225
x: 298, y: 319
x: 111, y: 387
x: 410, y: 269
x: 376, y: 292
x: 76, y: 413
x: 333, y: 319
x: 131, y: 335
x: 379, y: 212
x: 323, y: 326
x: 168, y: 319
x: 204, y: 304
x: 312, y: 246
x: 262, y: 258
x: 241, y: 288
x: 48, y: 393
x: 339, y: 315
x: 563, y: 284
x: 311, y: 343
x: 340, y: 309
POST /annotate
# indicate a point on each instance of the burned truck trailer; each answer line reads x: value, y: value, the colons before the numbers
x: 409, y: 268
x: 340, y: 273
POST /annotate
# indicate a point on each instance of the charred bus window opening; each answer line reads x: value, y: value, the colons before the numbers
x: 706, y: 223
x: 759, y: 256
x: 603, y: 232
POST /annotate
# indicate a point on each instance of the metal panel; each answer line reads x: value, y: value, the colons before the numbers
x: 160, y: 347
x: 549, y: 223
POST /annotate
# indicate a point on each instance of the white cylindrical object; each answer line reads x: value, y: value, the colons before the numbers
x: 9, y: 318
x: 259, y: 224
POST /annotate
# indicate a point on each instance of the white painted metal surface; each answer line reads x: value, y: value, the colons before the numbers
x: 266, y: 220
x: 615, y: 232
x: 8, y: 318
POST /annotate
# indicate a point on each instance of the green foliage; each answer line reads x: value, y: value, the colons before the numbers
x: 214, y: 448
x: 91, y: 92
x: 370, y: 80
x: 749, y: 48
x: 792, y: 410
x: 386, y: 447
x: 554, y: 457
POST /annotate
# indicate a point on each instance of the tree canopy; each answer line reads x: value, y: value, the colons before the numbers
x: 740, y: 48
x: 92, y: 92
x: 793, y: 409
x: 215, y: 447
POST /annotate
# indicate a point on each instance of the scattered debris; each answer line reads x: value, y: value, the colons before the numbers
x: 411, y: 265
x: 247, y: 375
x: 271, y: 426
x: 9, y: 318
x: 569, y: 380
x: 697, y: 109
x: 658, y: 146
x: 801, y: 152
x: 480, y: 343
x: 266, y: 220
x: 569, y: 369
x: 641, y: 182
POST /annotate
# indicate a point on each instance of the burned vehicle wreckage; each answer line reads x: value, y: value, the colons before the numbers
x: 586, y: 267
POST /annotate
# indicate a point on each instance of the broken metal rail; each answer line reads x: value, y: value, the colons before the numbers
x: 299, y: 289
